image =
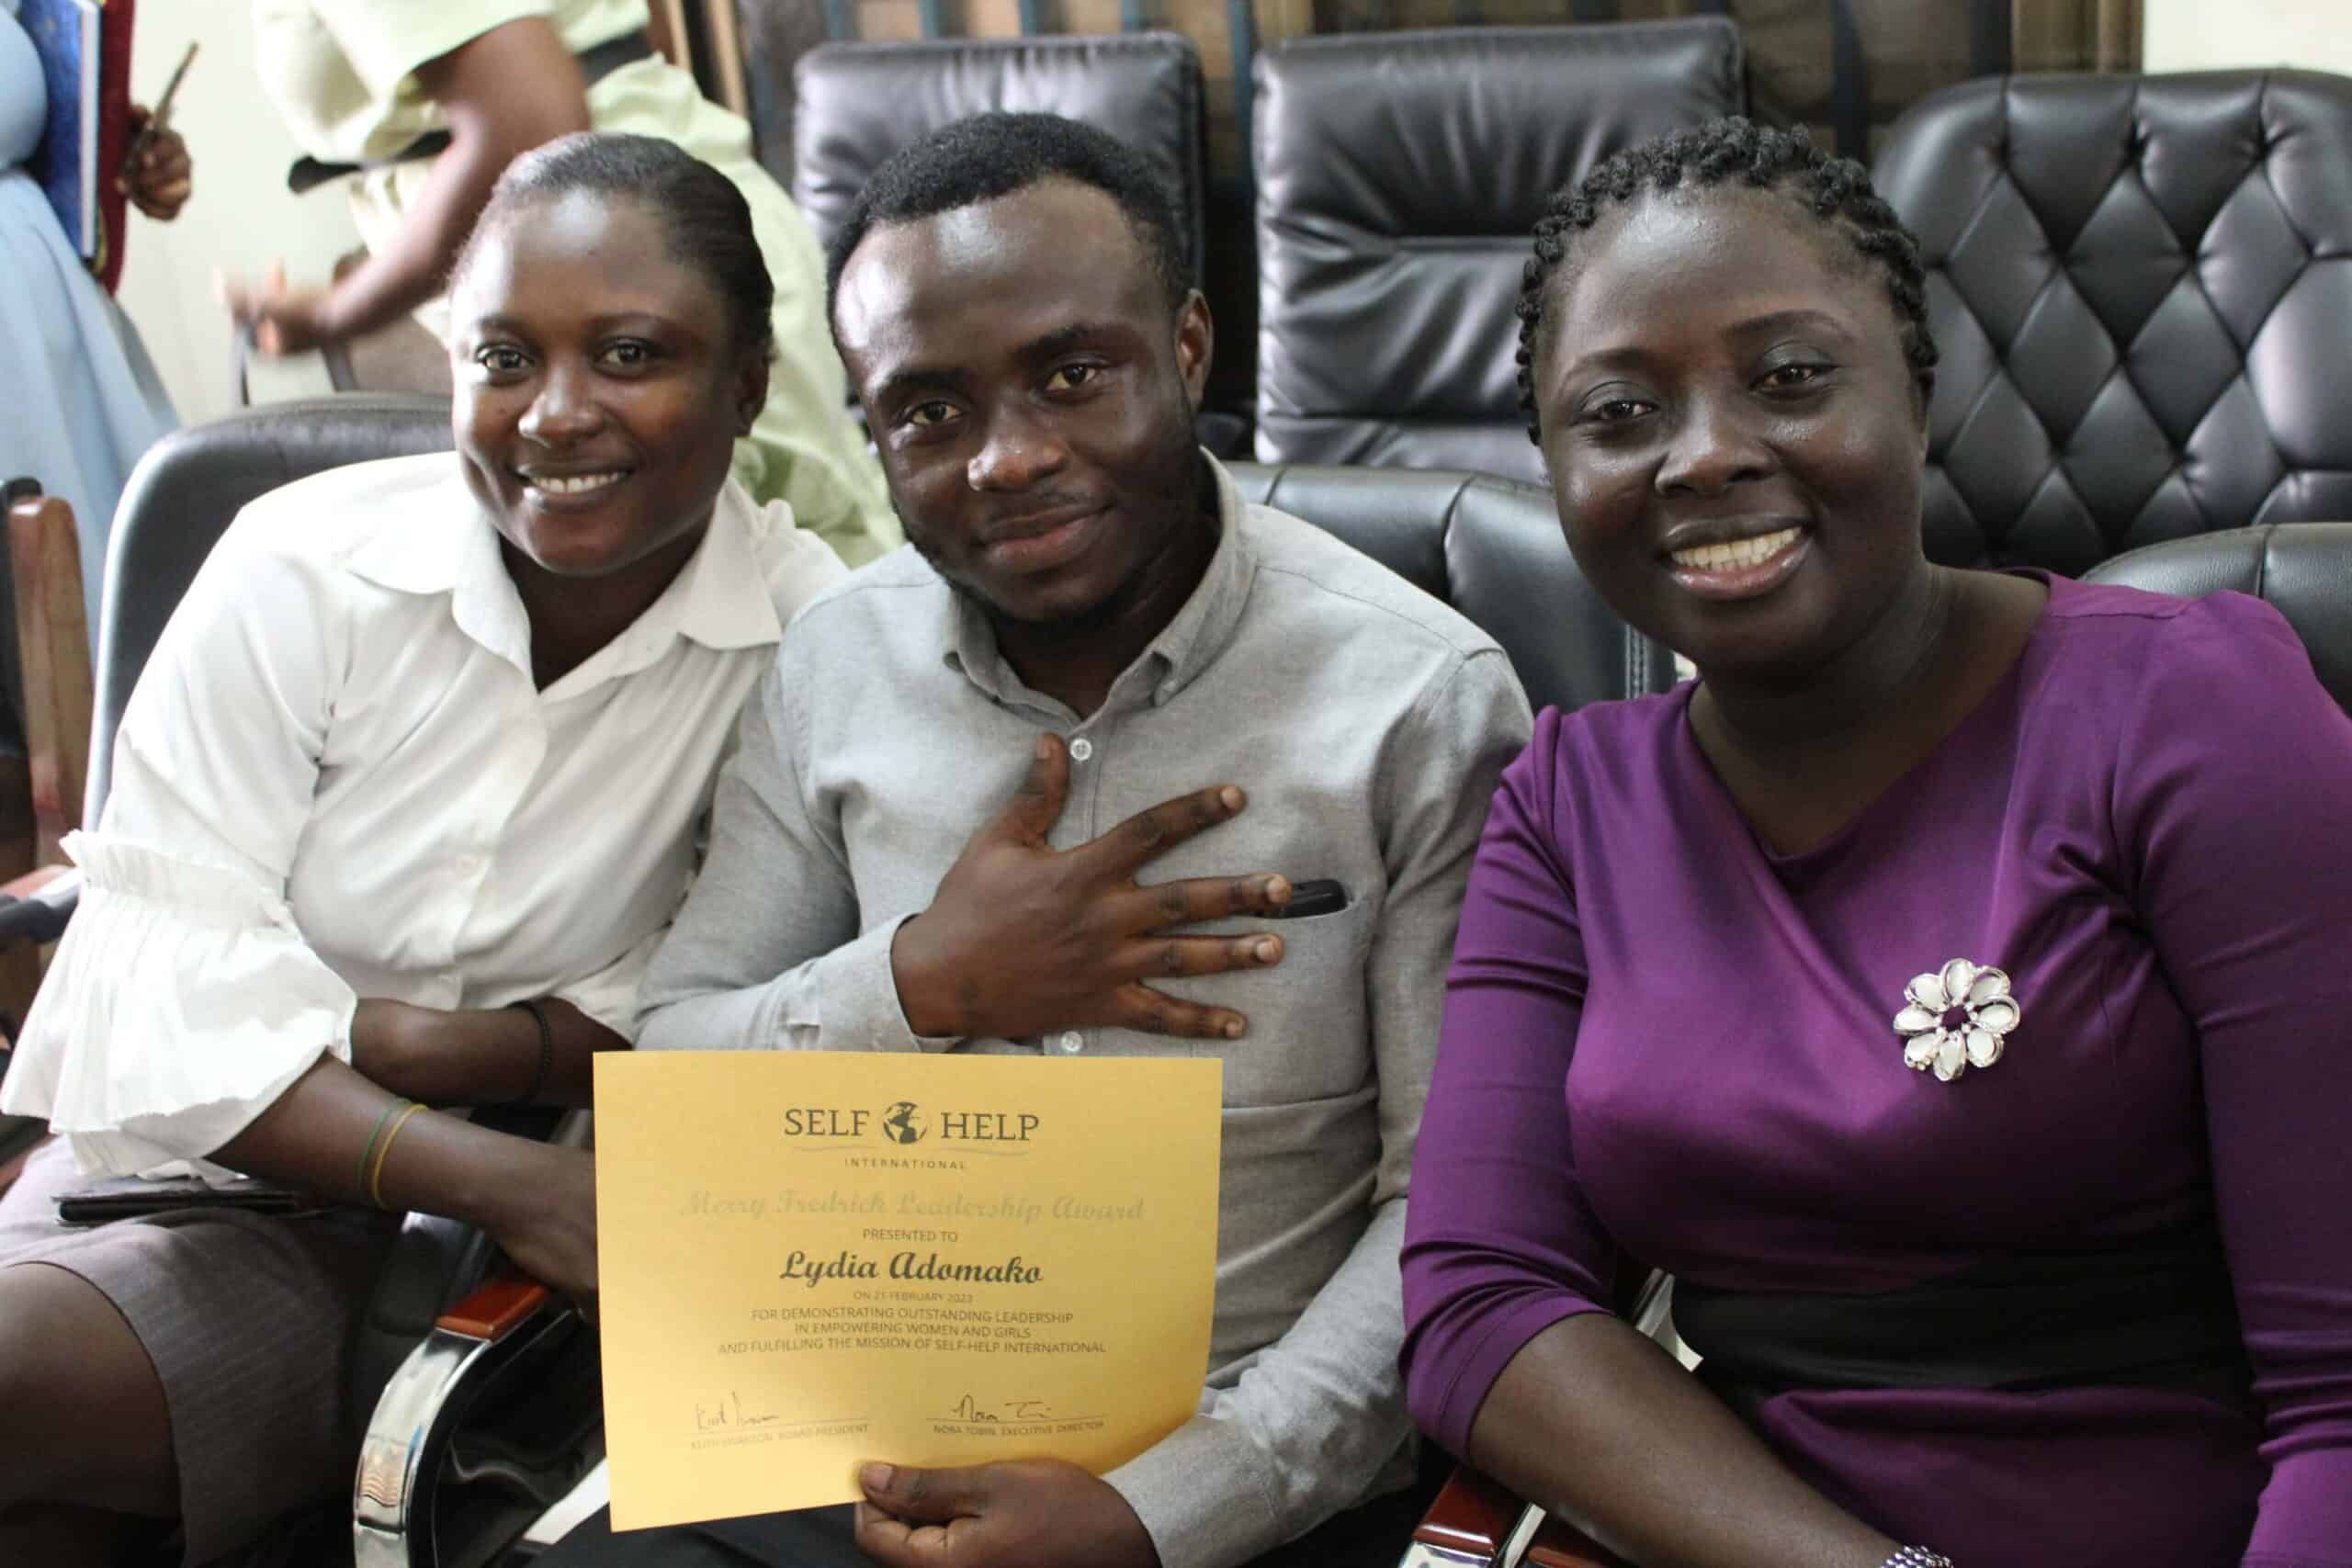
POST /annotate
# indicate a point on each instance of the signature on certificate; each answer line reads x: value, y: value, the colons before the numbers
x: 728, y: 1414
x: 1015, y: 1412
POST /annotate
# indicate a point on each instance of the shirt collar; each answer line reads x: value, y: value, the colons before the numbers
x: 1187, y: 644
x: 722, y: 598
x: 724, y: 595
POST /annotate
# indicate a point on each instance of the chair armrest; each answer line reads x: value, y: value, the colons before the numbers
x: 53, y: 663
x: 1471, y: 1521
x: 1557, y: 1545
x: 496, y: 1310
x: 490, y: 1416
x: 510, y: 1336
x: 1474, y: 1521
x: 36, y: 906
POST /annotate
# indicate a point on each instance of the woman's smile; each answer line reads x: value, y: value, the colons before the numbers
x: 577, y: 492
x: 1746, y: 568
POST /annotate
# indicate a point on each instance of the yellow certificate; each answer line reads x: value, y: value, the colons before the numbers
x: 810, y: 1259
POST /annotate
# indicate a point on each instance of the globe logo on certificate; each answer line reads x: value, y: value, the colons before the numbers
x: 901, y: 1124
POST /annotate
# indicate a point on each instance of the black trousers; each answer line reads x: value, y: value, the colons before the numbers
x: 1374, y: 1535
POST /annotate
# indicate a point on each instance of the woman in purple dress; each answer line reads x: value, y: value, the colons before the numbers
x: 1950, y: 987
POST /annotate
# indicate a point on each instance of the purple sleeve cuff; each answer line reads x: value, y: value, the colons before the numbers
x: 1449, y: 1372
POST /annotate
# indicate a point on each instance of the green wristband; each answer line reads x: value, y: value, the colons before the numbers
x: 368, y: 1153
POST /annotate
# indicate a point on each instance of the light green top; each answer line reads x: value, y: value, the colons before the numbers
x: 343, y: 75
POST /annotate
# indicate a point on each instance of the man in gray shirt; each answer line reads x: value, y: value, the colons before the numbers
x: 1097, y: 662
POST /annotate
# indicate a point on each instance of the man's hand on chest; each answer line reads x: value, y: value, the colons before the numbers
x: 1022, y: 939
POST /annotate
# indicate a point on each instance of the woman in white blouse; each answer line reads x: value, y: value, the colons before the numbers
x: 404, y: 800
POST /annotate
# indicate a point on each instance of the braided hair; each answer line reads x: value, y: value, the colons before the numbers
x: 1835, y: 191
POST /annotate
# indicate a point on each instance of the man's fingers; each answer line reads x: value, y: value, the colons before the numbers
x: 898, y: 1544
x: 1173, y: 957
x: 1164, y: 906
x: 1154, y: 1012
x: 1036, y: 805
x: 1147, y: 834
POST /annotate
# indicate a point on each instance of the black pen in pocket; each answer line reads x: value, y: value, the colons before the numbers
x: 1321, y: 896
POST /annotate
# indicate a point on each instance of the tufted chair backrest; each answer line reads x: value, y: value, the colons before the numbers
x: 2143, y: 290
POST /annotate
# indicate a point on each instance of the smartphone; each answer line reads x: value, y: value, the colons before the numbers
x: 130, y: 1198
x: 1321, y: 896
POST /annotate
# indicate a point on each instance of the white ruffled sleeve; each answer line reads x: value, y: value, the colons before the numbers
x: 180, y: 1004
x: 182, y: 1001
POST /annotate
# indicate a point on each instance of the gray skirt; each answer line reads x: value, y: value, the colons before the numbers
x: 249, y: 1322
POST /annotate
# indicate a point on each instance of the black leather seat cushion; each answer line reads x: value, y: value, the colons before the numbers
x: 1491, y: 548
x: 182, y: 497
x: 2304, y: 569
x: 1399, y: 178
x: 858, y: 103
x: 2143, y: 289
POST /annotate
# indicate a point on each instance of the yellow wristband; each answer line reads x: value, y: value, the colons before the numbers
x: 375, y: 1176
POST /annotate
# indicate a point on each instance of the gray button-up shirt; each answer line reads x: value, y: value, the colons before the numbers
x: 1368, y: 723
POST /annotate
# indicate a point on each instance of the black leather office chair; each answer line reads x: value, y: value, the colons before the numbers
x: 1399, y: 177
x: 2143, y: 289
x: 2304, y: 570
x: 858, y: 103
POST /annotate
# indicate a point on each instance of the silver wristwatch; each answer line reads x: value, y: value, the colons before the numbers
x: 1918, y: 1557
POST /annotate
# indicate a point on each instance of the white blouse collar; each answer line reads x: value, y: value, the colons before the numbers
x: 722, y: 599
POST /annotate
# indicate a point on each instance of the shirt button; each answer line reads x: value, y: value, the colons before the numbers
x: 1080, y: 750
x: 469, y: 865
x: 1070, y: 1042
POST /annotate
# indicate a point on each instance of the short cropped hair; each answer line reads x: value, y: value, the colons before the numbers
x: 992, y: 155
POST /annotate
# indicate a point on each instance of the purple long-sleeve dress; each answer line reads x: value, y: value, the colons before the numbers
x: 1664, y: 1042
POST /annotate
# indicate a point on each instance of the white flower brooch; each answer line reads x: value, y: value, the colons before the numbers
x: 1957, y: 1019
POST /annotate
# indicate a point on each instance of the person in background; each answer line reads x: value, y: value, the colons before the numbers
x: 421, y: 104
x: 1039, y: 784
x: 85, y: 402
x: 1947, y: 986
x: 403, y: 803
